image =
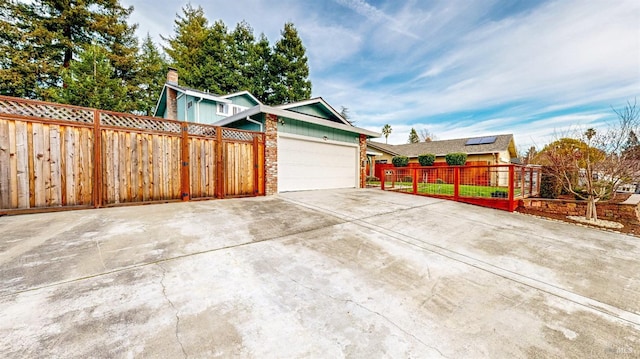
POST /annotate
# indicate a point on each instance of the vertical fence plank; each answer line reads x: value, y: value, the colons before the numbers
x: 22, y: 154
x: 13, y: 166
x: 5, y: 182
x: 55, y: 157
x: 70, y: 161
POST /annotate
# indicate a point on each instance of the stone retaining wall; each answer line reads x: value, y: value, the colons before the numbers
x: 608, y: 211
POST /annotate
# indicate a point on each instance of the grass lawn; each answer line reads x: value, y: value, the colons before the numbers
x: 444, y: 189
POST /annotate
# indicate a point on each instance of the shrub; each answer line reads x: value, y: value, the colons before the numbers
x: 456, y: 159
x: 550, y: 187
x: 400, y: 161
x: 427, y: 159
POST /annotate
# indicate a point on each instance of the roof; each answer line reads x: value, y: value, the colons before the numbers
x: 443, y: 147
x: 187, y: 91
x: 242, y: 93
x: 316, y: 101
x: 295, y: 116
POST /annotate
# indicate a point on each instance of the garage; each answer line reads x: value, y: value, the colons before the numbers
x: 307, y: 163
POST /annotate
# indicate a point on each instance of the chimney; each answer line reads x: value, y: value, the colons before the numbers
x: 172, y: 76
x: 172, y: 95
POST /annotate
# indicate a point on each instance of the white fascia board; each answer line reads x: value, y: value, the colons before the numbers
x: 296, y: 116
x: 318, y: 121
x: 245, y: 92
x: 198, y: 94
x: 311, y: 102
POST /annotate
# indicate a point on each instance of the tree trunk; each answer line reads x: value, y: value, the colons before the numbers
x: 592, y: 213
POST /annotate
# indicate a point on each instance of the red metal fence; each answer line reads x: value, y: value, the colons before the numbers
x: 494, y: 186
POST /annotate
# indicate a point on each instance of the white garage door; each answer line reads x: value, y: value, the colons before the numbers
x: 306, y: 163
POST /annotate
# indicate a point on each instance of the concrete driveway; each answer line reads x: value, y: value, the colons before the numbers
x: 327, y: 274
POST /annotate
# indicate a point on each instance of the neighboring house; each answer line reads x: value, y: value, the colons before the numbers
x: 309, y: 145
x: 491, y: 150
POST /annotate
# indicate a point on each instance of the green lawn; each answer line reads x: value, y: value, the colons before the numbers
x: 444, y: 189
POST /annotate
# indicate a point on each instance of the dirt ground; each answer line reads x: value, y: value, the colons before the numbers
x: 630, y: 228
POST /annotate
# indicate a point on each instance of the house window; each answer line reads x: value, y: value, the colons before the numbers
x: 189, y: 104
x: 222, y: 108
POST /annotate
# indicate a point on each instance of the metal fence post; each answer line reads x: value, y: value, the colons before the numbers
x: 415, y: 181
x: 456, y: 183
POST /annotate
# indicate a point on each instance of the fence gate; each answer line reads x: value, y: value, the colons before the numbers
x: 55, y: 157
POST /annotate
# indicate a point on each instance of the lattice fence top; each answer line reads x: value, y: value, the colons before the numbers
x: 202, y: 130
x: 230, y: 134
x: 140, y: 123
x: 45, y: 110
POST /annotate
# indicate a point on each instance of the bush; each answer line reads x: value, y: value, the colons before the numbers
x: 400, y: 161
x: 456, y: 159
x: 427, y: 159
x: 550, y: 187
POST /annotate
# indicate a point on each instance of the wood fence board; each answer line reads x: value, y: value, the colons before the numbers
x: 13, y: 166
x: 5, y: 183
x: 22, y: 163
x: 49, y: 161
x: 55, y: 184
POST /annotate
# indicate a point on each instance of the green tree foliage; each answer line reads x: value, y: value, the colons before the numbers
x: 289, y: 68
x: 213, y: 58
x: 186, y: 47
x: 456, y: 159
x: 47, y: 34
x: 386, y: 131
x: 413, y: 136
x: 400, y: 161
x: 91, y: 82
x: 427, y: 159
x: 150, y: 77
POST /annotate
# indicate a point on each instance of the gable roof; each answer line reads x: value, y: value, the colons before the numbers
x: 443, y: 147
x: 243, y: 94
x: 162, y: 100
x: 320, y: 104
x: 295, y: 116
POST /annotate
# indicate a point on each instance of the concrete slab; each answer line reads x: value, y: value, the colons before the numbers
x: 345, y: 273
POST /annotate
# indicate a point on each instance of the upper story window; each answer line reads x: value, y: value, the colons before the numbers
x: 222, y: 109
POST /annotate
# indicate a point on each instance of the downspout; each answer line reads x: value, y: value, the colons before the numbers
x: 254, y: 122
x: 198, y: 110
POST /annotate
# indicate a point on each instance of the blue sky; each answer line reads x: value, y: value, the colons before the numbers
x: 458, y: 68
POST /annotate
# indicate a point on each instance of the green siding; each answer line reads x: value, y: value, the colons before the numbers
x: 181, y: 106
x: 249, y: 126
x: 313, y: 110
x: 243, y: 100
x: 312, y: 130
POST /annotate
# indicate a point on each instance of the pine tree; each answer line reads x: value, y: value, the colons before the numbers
x: 150, y: 76
x: 91, y: 82
x: 216, y: 68
x: 50, y: 32
x: 185, y: 47
x: 260, y: 86
x: 242, y: 53
x: 413, y: 136
x: 289, y: 69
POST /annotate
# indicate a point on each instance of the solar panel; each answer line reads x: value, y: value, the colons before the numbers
x: 487, y: 140
x: 473, y: 141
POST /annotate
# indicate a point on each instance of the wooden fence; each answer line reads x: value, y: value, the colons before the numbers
x: 56, y: 157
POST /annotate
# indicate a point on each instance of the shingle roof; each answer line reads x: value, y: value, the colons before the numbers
x: 442, y: 148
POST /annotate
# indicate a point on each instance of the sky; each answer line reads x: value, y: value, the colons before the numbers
x: 457, y: 68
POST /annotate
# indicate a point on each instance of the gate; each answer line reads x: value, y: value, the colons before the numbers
x: 56, y: 157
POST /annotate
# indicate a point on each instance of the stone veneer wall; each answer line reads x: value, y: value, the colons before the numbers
x: 271, y: 154
x: 608, y: 211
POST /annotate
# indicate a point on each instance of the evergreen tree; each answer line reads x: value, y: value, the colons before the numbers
x: 259, y: 71
x: 289, y: 69
x: 242, y: 53
x: 413, y: 136
x: 217, y: 69
x: 91, y: 82
x: 186, y: 46
x: 151, y: 76
x: 49, y: 32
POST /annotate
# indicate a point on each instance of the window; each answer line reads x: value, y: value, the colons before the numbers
x: 222, y: 108
x: 189, y: 104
